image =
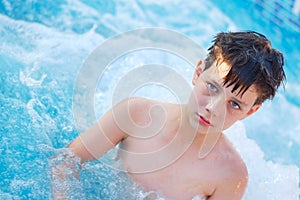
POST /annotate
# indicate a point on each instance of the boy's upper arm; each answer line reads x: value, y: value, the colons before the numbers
x: 231, y: 187
x: 105, y: 134
x: 229, y: 190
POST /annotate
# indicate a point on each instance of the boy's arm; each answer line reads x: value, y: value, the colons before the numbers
x: 230, y: 188
x: 92, y: 144
x: 103, y: 135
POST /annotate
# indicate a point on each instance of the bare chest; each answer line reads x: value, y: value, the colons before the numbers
x: 184, y: 178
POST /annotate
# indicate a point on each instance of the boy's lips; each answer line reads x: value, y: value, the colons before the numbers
x: 202, y: 120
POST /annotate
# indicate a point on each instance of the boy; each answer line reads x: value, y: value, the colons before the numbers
x: 180, y: 150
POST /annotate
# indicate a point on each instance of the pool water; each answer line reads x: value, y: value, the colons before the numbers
x: 45, y: 43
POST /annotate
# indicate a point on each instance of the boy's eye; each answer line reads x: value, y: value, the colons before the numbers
x: 211, y: 87
x: 234, y: 105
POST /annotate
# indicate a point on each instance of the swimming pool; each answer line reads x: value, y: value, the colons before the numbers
x: 45, y: 43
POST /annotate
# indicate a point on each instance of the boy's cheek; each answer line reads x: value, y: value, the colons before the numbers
x: 201, y: 99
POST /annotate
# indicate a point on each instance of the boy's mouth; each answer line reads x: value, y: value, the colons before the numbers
x: 203, y: 121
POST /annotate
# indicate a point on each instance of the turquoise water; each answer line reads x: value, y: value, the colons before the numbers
x: 44, y: 44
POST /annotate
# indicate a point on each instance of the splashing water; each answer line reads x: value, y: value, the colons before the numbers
x: 44, y: 43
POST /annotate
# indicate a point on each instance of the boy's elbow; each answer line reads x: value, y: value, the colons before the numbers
x: 80, y: 151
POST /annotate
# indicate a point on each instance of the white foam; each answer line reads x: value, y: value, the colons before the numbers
x: 267, y: 180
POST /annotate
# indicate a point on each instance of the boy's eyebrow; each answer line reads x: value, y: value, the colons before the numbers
x: 234, y: 98
x: 239, y: 101
x: 217, y: 84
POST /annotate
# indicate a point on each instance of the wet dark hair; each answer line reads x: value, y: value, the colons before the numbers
x: 253, y: 62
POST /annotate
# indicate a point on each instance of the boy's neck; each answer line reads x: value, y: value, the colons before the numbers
x: 205, y: 141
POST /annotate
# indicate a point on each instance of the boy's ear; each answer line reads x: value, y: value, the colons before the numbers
x: 198, y: 71
x: 252, y: 110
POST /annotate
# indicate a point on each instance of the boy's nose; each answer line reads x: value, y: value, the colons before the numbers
x: 210, y: 107
x: 213, y: 106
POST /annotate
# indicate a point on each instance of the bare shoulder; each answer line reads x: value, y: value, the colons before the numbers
x: 232, y: 161
x: 143, y: 110
x: 137, y: 103
x: 133, y: 105
x: 232, y: 173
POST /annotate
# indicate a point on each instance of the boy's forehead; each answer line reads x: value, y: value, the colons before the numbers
x: 219, y: 69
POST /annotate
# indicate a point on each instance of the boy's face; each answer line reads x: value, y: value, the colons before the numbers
x: 212, y: 107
